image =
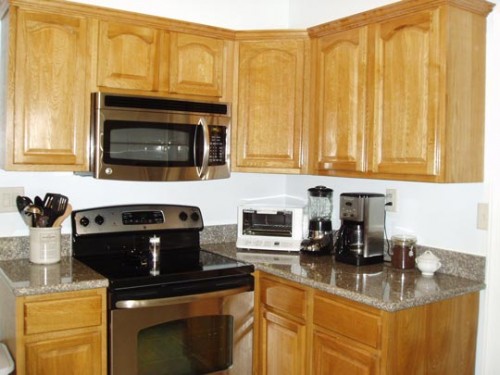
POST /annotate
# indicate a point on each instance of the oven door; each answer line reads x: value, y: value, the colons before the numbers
x: 208, y: 333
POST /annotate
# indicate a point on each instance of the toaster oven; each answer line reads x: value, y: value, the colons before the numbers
x: 276, y: 224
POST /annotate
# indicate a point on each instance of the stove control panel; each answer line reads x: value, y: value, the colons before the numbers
x: 131, y: 218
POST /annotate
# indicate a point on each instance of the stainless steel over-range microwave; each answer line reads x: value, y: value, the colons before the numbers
x: 142, y: 138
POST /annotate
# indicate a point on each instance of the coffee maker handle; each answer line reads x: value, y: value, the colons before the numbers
x: 337, y: 246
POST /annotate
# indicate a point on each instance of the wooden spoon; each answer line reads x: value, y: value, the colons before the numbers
x: 58, y: 221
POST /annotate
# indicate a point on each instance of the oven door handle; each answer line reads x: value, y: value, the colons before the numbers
x: 136, y: 304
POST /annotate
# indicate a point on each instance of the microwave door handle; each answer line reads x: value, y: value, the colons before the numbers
x: 206, y: 146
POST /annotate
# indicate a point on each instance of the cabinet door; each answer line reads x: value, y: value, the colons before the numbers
x: 270, y: 106
x: 131, y: 57
x: 406, y: 92
x: 196, y: 65
x: 332, y: 356
x: 78, y: 354
x: 52, y: 99
x: 282, y: 348
x: 339, y: 135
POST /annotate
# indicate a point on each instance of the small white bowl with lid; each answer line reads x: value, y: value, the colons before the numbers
x: 428, y: 263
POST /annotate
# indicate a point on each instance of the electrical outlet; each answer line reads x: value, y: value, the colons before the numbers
x: 482, y: 216
x: 8, y: 198
x: 391, y: 200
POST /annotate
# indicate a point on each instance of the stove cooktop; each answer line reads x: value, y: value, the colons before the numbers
x: 175, y: 267
x: 115, y: 241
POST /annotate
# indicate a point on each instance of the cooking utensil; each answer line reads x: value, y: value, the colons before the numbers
x: 22, y: 203
x: 42, y: 221
x: 38, y: 201
x: 33, y: 212
x: 61, y: 218
x: 55, y: 205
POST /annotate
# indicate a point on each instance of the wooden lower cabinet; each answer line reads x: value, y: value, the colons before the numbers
x: 301, y: 330
x: 332, y: 355
x: 284, y: 341
x: 59, y: 333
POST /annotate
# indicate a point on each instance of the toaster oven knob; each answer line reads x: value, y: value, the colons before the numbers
x: 99, y: 220
x: 195, y: 216
x: 183, y: 216
x: 84, y: 221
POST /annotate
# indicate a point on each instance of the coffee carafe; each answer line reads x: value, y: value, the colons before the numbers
x: 320, y: 208
x: 360, y: 239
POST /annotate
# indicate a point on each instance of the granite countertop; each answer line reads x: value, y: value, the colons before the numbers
x: 26, y: 278
x: 381, y: 286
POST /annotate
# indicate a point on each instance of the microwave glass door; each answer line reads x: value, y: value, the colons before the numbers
x: 152, y: 144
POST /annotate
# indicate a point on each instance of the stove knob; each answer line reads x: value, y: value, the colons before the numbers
x: 84, y: 221
x: 99, y: 220
x: 183, y: 216
x: 195, y: 216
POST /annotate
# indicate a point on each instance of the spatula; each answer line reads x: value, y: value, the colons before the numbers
x: 54, y: 206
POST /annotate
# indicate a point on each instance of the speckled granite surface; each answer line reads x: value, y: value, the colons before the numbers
x: 380, y: 286
x: 26, y: 278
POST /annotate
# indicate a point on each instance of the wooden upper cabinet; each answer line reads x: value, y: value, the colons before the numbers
x: 47, y: 106
x: 341, y: 67
x: 406, y: 95
x: 401, y: 97
x: 196, y: 65
x: 132, y: 57
x: 270, y: 99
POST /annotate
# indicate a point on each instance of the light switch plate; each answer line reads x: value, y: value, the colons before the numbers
x: 482, y: 216
x: 8, y: 198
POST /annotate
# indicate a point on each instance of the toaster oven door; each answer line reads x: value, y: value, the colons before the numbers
x: 267, y: 223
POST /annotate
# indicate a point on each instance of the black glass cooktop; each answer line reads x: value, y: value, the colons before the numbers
x: 180, y: 266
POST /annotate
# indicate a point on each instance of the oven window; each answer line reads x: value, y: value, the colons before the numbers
x: 198, y: 345
x: 149, y: 144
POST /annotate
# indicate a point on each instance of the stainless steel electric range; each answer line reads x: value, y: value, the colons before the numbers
x: 173, y: 308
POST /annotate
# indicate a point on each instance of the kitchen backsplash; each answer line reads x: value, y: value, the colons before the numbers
x: 454, y: 263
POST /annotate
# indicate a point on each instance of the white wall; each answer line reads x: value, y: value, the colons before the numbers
x: 217, y: 199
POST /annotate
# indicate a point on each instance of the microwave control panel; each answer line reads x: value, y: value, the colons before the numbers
x: 217, y: 149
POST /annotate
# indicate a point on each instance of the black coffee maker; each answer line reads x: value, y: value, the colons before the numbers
x: 360, y: 239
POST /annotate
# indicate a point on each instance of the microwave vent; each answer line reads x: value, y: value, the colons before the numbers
x: 124, y: 101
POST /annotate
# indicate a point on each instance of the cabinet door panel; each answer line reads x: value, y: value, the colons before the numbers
x: 196, y: 65
x: 283, y: 345
x: 406, y: 86
x: 341, y: 81
x: 335, y: 357
x: 78, y: 354
x: 128, y: 56
x: 50, y: 126
x: 270, y: 104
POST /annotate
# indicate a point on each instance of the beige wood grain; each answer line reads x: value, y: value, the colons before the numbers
x: 342, y: 336
x: 269, y: 121
x: 48, y: 67
x: 57, y: 331
x: 197, y: 65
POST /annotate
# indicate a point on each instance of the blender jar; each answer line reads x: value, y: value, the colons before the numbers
x: 320, y: 211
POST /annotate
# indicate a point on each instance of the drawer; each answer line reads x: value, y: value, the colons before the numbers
x: 62, y: 314
x: 283, y: 297
x: 348, y: 319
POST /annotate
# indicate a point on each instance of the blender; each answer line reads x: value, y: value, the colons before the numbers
x: 320, y: 235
